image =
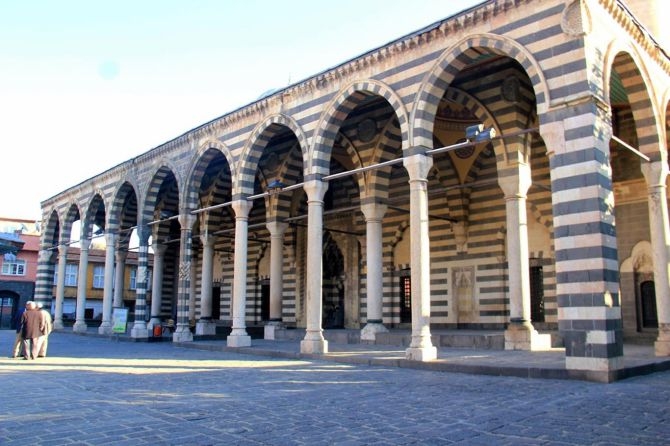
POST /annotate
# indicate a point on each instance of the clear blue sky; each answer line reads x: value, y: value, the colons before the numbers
x: 86, y: 85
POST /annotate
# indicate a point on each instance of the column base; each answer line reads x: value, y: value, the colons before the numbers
x: 182, y: 334
x: 522, y: 335
x: 105, y: 328
x: 421, y: 354
x: 314, y: 346
x: 662, y: 344
x: 58, y: 324
x: 234, y: 340
x: 80, y: 327
x: 274, y: 330
x: 205, y: 327
x: 369, y: 332
x: 139, y: 331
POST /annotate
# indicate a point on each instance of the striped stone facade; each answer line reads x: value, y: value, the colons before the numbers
x: 515, y: 233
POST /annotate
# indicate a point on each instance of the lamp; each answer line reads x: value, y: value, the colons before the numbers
x: 486, y: 135
x: 275, y: 186
x: 478, y: 133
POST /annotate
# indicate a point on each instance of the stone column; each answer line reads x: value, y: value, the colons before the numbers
x: 119, y: 277
x: 182, y: 331
x: 205, y: 325
x: 238, y: 336
x: 44, y: 278
x: 274, y: 325
x: 656, y: 173
x: 80, y: 321
x: 587, y: 271
x: 60, y: 287
x: 139, y: 329
x: 157, y: 284
x: 107, y: 296
x: 192, y: 292
x: 374, y: 213
x: 314, y: 342
x: 520, y: 334
x: 421, y: 347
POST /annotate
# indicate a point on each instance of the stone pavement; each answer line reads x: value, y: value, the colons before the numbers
x: 99, y: 391
x: 638, y: 359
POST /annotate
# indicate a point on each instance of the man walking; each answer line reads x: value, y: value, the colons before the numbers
x: 33, y: 326
x: 44, y: 339
x: 18, y: 341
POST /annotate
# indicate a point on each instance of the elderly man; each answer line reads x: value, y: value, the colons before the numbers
x: 33, y: 323
x: 18, y: 341
x: 44, y: 339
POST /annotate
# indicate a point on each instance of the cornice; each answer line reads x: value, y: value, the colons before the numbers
x: 637, y: 31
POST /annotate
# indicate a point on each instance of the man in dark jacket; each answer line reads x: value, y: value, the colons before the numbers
x: 18, y: 341
x: 33, y: 326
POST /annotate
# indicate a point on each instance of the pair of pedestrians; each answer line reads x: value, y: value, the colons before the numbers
x: 34, y: 327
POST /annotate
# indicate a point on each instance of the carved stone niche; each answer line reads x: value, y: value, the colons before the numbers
x: 465, y: 304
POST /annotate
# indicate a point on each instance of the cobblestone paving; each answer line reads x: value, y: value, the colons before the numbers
x: 95, y: 391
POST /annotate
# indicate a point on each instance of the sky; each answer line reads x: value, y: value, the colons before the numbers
x: 87, y: 85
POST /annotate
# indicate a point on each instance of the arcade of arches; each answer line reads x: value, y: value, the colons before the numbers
x: 326, y: 204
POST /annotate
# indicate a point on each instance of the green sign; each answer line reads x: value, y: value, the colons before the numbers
x: 119, y: 320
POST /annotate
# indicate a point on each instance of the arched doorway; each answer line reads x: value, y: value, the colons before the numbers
x: 333, y: 284
x: 8, y: 305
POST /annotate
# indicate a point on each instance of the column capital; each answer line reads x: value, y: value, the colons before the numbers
x: 159, y: 248
x: 418, y: 165
x: 553, y: 134
x: 110, y: 239
x: 242, y: 207
x: 84, y: 244
x: 373, y: 212
x: 276, y: 228
x: 315, y: 190
x: 515, y: 181
x: 186, y: 220
x: 121, y: 255
x: 62, y: 250
x: 655, y: 173
x: 207, y: 240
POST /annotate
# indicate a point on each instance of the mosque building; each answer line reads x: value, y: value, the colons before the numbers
x: 501, y: 169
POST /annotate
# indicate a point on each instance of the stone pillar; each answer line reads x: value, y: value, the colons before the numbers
x: 374, y: 213
x: 60, y: 287
x: 139, y: 329
x: 182, y: 331
x: 656, y: 173
x: 119, y: 277
x: 587, y: 273
x: 192, y: 292
x: 275, y: 325
x: 205, y: 325
x: 238, y: 336
x: 80, y: 321
x: 44, y: 278
x: 421, y: 347
x: 107, y: 296
x: 314, y: 342
x: 520, y: 334
x: 157, y: 284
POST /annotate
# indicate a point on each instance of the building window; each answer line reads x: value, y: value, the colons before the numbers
x: 133, y: 278
x: 13, y: 267
x: 71, y: 274
x: 99, y: 277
